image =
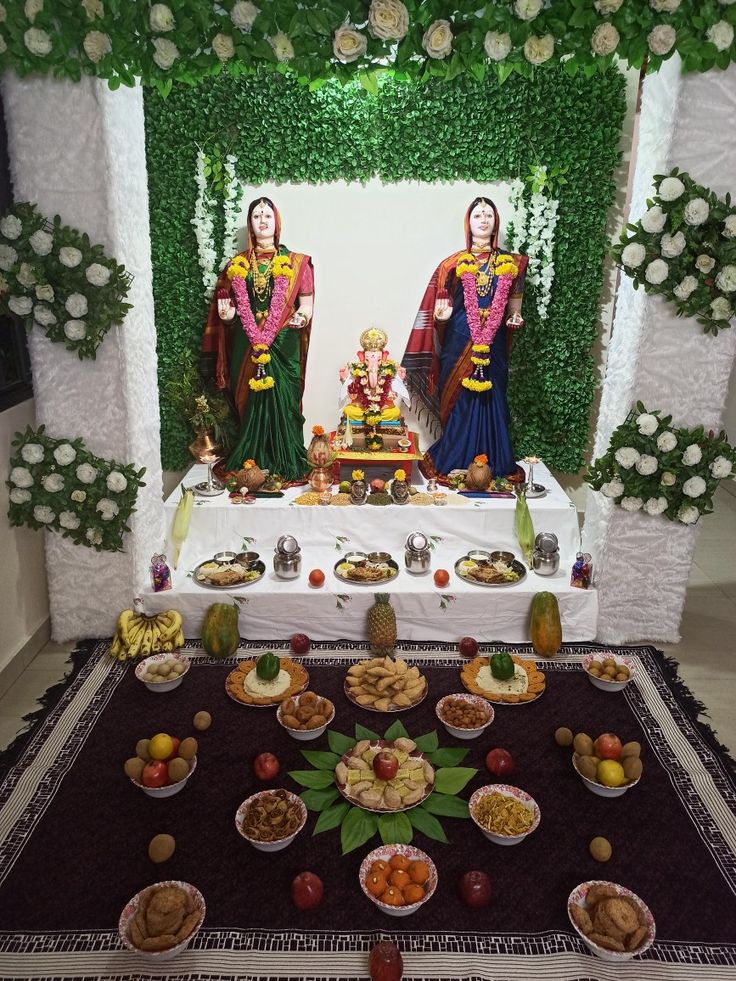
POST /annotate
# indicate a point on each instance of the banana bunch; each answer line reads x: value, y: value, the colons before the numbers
x: 138, y: 635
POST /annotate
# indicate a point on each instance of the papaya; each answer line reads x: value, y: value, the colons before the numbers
x: 546, y: 628
x: 220, y: 636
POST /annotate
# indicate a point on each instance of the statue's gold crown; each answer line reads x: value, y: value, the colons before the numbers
x: 373, y: 339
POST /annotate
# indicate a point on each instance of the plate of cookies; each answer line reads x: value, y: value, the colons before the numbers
x: 611, y: 919
x: 245, y: 686
x: 160, y: 921
x: 385, y: 684
x: 525, y: 685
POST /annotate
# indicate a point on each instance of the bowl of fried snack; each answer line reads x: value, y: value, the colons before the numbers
x: 506, y: 815
x: 271, y: 819
x: 608, y: 671
x: 305, y: 716
x: 611, y: 919
x: 464, y: 716
x: 160, y: 921
x: 399, y: 879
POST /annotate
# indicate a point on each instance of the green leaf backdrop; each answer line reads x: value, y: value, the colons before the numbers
x: 460, y: 130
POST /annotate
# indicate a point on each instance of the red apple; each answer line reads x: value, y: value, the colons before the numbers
x: 500, y: 762
x: 307, y: 890
x: 175, y: 751
x: 608, y: 746
x: 385, y: 765
x: 300, y: 643
x: 266, y: 766
x: 468, y: 647
x: 378, y: 485
x: 386, y: 963
x: 155, y: 774
x: 475, y: 889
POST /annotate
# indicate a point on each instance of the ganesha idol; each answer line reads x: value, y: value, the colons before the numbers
x: 372, y: 392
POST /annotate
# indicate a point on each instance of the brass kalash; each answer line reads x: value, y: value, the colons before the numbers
x: 205, y: 449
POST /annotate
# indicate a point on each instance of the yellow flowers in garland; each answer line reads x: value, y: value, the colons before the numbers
x: 261, y: 384
x: 282, y: 267
x: 239, y: 266
x: 261, y: 355
x: 477, y: 386
x: 466, y: 264
x: 505, y: 265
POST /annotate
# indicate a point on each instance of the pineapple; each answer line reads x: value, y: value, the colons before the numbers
x: 382, y: 625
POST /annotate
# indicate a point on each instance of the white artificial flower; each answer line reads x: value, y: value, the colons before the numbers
x: 721, y: 309
x: 3, y: 14
x: 665, y: 6
x: 633, y: 255
x: 32, y: 452
x: 22, y: 305
x: 528, y: 9
x: 604, y: 40
x: 165, y: 54
x: 116, y: 482
x: 161, y: 18
x: 43, y: 315
x: 726, y: 279
x: 348, y: 44
x: 69, y: 256
x: 437, y: 40
x: 69, y: 520
x: 282, y: 47
x: 729, y: 227
x: 537, y: 50
x: 18, y: 496
x: 721, y: 467
x: 656, y: 505
x: 75, y: 330
x: 64, y: 454
x: 25, y: 275
x: 43, y: 514
x: 223, y: 46
x: 704, y: 263
x: 45, y: 292
x: 694, y: 487
x: 726, y: 3
x: 627, y: 457
x: 696, y: 211
x: 97, y: 274
x: 96, y: 45
x: 107, y: 508
x: 53, y: 483
x: 21, y: 477
x: 11, y: 226
x: 631, y: 503
x: 647, y: 424
x: 243, y: 15
x: 76, y: 304
x: 661, y: 39
x: 41, y: 242
x: 683, y: 289
x: 720, y: 34
x: 497, y: 45
x: 656, y: 272
x: 86, y: 473
x: 93, y: 9
x: 614, y: 488
x: 94, y: 536
x: 79, y: 495
x: 666, y: 441
x: 671, y: 189
x: 607, y: 6
x: 653, y: 220
x: 688, y: 515
x: 668, y: 479
x: 692, y: 455
x: 647, y: 465
x: 8, y: 257
x: 672, y: 245
x: 388, y: 20
x: 31, y: 8
x: 37, y: 41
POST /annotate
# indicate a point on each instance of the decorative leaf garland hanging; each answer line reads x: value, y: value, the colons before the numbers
x: 55, y: 280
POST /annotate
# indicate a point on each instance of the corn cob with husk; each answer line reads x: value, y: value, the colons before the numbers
x: 182, y: 520
x: 524, y: 527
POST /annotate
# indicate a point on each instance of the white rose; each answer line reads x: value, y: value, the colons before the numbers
x: 666, y: 441
x: 683, y: 290
x: 18, y: 496
x: 86, y: 473
x: 96, y: 45
x: 661, y: 39
x: 647, y: 424
x: 607, y: 6
x: 656, y: 272
x: 244, y: 14
x: 21, y: 477
x: 668, y: 479
x: 671, y: 189
x: 604, y: 40
x: 726, y: 279
x: 348, y: 44
x: 43, y: 514
x: 631, y: 503
x: 282, y: 47
x: 720, y: 34
x: 161, y: 18
x: 116, y: 482
x: 8, y: 257
x: 654, y: 220
x: 388, y: 20
x: 665, y: 6
x: 729, y: 227
x: 64, y: 454
x: 223, y: 46
x: 165, y: 54
x: 688, y: 515
x: 69, y: 256
x: 614, y: 488
x: 25, y: 275
x: 45, y: 292
x: 633, y: 255
x: 721, y: 308
x: 497, y: 45
x: 672, y: 245
x: 75, y: 330
x: 704, y: 263
x: 11, y: 226
x: 647, y: 464
x: 656, y: 505
x: 31, y: 8
x: 696, y: 211
x: 97, y: 274
x: 528, y: 9
x: 93, y: 9
x: 692, y: 455
x: 32, y: 452
x: 76, y: 304
x: 94, y: 536
x: 537, y: 50
x: 43, y: 315
x: 37, y: 41
x: 53, y: 483
x: 437, y: 40
x: 41, y: 242
x: 79, y: 495
x: 721, y: 467
x: 627, y: 457
x: 694, y: 487
x: 107, y: 508
x: 22, y: 305
x: 69, y: 520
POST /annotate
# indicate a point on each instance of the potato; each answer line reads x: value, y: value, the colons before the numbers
x: 202, y: 721
x: 161, y: 848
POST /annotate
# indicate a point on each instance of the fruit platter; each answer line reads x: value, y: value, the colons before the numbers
x: 385, y: 684
x: 366, y: 568
x: 228, y: 575
x: 504, y: 678
x: 496, y: 569
x: 385, y: 775
x: 607, y: 766
x: 266, y: 681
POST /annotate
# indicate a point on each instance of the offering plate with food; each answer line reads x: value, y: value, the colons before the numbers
x: 267, y: 681
x: 495, y: 568
x: 271, y: 820
x: 367, y: 568
x: 611, y: 919
x: 229, y: 570
x: 385, y: 775
x: 160, y: 921
x: 399, y: 879
x: 504, y: 678
x: 305, y: 716
x: 385, y: 684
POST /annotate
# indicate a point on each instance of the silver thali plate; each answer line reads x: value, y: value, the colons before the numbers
x: 363, y: 557
x: 259, y: 567
x: 517, y: 566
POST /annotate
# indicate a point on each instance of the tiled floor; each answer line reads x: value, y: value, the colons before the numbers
x: 706, y: 653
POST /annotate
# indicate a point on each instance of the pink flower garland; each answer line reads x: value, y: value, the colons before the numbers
x: 485, y: 334
x: 266, y: 333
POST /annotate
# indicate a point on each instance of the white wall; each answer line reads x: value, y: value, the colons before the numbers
x: 729, y: 424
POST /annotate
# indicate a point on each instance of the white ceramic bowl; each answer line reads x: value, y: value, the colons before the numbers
x: 599, y: 657
x: 600, y: 788
x: 304, y: 734
x: 386, y: 852
x: 476, y: 700
x: 577, y: 898
x: 131, y: 908
x: 161, y: 686
x: 507, y: 791
x: 270, y: 846
x: 172, y: 788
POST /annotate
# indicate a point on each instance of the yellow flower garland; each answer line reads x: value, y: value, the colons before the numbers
x: 476, y: 386
x: 261, y: 384
x: 282, y: 267
x: 466, y: 264
x: 239, y: 266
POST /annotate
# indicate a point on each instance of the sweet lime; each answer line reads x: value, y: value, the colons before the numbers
x: 161, y: 746
x: 610, y: 773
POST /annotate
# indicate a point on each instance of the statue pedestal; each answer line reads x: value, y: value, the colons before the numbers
x: 381, y: 464
x: 391, y: 434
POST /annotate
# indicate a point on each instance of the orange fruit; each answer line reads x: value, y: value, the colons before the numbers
x: 399, y: 878
x: 376, y: 884
x: 418, y: 872
x: 399, y: 862
x: 379, y: 868
x: 413, y: 893
x: 441, y: 577
x: 392, y: 897
x: 316, y: 577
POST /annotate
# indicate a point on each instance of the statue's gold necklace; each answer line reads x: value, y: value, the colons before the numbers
x: 484, y: 278
x: 261, y: 277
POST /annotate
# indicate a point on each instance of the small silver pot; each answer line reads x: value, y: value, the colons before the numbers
x: 545, y: 563
x: 287, y: 566
x: 417, y: 562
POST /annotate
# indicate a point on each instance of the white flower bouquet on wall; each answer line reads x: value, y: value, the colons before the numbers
x: 650, y: 466
x: 684, y: 248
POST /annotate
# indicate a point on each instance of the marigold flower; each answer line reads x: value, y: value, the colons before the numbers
x: 318, y: 431
x: 481, y: 459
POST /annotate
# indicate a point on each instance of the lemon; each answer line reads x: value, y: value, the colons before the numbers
x: 468, y: 564
x: 610, y: 773
x: 162, y: 746
x: 345, y: 567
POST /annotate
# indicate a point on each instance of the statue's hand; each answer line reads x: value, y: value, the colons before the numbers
x: 344, y: 372
x: 225, y: 309
x: 297, y: 320
x: 442, y: 310
x: 401, y: 372
x: 515, y: 321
